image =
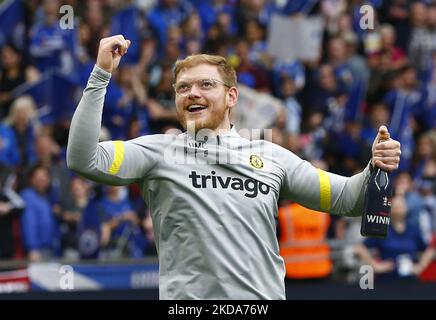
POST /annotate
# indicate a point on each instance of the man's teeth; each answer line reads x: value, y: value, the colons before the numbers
x: 195, y: 107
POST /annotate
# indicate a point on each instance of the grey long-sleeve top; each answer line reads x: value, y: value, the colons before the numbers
x: 213, y: 201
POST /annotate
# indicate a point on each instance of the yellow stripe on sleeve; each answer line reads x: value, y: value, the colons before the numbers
x: 324, y: 191
x: 118, y: 157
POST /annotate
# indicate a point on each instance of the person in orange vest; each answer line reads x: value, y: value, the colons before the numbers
x: 302, y: 241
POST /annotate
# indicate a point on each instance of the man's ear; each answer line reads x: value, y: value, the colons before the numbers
x: 232, y: 97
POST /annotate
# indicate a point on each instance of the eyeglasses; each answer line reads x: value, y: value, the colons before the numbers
x: 183, y: 88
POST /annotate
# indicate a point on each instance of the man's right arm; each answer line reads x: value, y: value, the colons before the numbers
x: 111, y: 162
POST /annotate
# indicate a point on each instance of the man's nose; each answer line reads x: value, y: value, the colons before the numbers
x: 195, y: 92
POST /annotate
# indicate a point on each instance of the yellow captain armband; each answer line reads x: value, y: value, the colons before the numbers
x: 118, y: 157
x: 324, y: 191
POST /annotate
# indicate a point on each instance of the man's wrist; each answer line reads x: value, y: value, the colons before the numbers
x: 101, y: 73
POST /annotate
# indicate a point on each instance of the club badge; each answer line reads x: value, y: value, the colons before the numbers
x: 256, y: 161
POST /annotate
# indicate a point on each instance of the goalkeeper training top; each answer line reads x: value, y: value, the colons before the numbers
x: 213, y: 199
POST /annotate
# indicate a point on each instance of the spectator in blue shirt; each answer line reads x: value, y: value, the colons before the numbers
x: 262, y: 11
x: 50, y: 46
x: 288, y: 69
x: 398, y: 254
x: 404, y: 186
x: 13, y: 73
x: 210, y: 11
x: 324, y: 94
x: 255, y: 34
x: 9, y: 155
x: 191, y: 29
x: 425, y: 156
x: 294, y: 112
x: 22, y: 120
x: 39, y: 226
x: 168, y: 13
x: 124, y: 97
x: 407, y: 104
x: 71, y: 216
x: 338, y: 59
x: 48, y: 155
x: 120, y: 231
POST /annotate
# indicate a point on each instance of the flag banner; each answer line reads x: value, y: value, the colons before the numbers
x: 291, y: 38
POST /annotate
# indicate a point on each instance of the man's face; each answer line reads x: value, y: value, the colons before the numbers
x: 204, y: 106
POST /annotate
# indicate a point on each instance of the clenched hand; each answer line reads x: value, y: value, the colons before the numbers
x: 110, y: 51
x: 385, y: 153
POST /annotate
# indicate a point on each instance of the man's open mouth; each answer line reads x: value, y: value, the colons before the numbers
x: 196, y: 108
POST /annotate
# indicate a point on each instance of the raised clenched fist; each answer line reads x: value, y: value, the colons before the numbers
x: 110, y: 51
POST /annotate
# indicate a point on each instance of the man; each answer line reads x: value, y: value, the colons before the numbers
x: 214, y: 221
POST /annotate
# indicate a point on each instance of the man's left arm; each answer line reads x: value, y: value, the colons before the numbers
x: 324, y: 191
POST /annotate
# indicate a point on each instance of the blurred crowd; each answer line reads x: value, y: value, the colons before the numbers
x: 330, y: 110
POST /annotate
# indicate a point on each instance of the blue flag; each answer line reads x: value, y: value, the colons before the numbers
x: 89, y: 231
x: 126, y: 22
x: 53, y: 95
x: 298, y: 6
x: 353, y: 107
x: 399, y: 126
x: 12, y: 23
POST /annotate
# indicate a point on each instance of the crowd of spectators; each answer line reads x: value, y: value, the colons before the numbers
x: 330, y: 107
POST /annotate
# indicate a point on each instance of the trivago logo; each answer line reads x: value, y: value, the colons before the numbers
x: 253, y: 187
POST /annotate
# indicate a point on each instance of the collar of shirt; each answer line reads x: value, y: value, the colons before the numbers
x: 207, y: 136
